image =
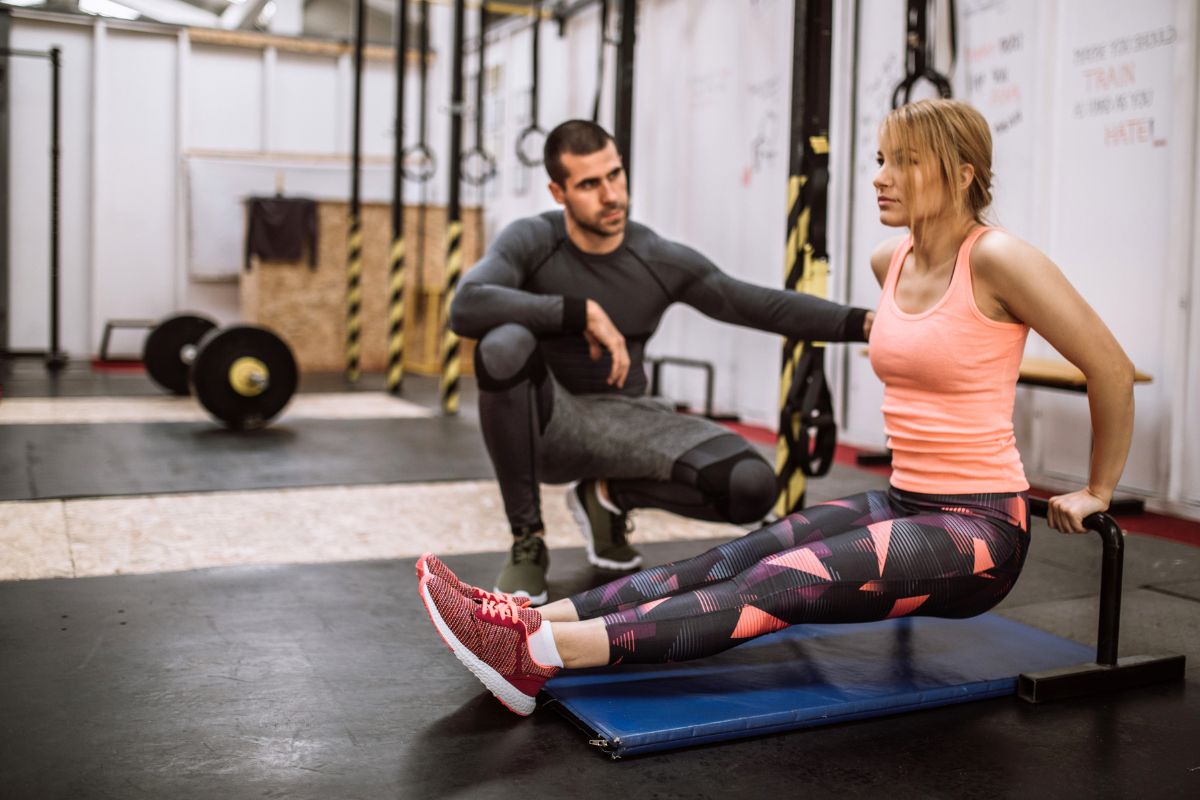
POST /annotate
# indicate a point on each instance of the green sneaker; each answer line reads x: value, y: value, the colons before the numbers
x: 603, y: 530
x: 524, y: 573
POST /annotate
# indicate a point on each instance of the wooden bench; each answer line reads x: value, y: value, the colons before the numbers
x: 1052, y: 373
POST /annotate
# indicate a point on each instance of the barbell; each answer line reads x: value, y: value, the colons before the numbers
x: 242, y: 375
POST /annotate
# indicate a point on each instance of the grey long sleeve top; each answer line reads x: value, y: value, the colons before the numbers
x: 535, y: 276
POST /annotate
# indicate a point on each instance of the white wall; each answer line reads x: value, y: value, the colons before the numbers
x: 1093, y: 111
x: 140, y: 101
x: 29, y: 176
x: 709, y: 168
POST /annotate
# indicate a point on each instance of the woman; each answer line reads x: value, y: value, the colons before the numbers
x: 947, y: 539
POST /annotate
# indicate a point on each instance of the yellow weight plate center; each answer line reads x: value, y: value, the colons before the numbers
x: 248, y: 376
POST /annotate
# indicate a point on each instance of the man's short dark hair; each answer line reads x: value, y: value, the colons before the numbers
x: 578, y: 137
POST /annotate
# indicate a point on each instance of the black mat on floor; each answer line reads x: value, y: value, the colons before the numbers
x: 329, y: 681
x: 60, y: 461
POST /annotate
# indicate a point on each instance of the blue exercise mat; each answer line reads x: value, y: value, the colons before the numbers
x: 804, y: 676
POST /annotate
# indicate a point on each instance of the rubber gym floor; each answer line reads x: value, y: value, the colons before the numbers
x: 186, y: 612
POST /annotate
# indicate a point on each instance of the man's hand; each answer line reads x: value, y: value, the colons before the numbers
x: 868, y: 321
x: 601, y: 333
x: 1066, y: 511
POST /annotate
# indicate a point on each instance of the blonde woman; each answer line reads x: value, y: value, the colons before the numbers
x: 947, y: 539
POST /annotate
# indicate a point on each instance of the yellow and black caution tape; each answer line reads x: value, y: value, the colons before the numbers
x: 809, y: 274
x: 791, y: 480
x: 450, y: 342
x: 395, y: 372
x: 354, y: 300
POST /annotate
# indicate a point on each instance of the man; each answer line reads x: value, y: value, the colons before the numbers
x: 562, y: 305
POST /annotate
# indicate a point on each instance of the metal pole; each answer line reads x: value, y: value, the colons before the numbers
x: 450, y: 343
x: 55, y: 358
x: 5, y: 37
x: 623, y: 127
x: 354, y: 256
x: 395, y: 376
x: 360, y: 25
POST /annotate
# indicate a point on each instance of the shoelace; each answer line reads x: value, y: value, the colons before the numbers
x: 519, y: 602
x: 526, y: 549
x: 622, y: 526
x: 496, y: 611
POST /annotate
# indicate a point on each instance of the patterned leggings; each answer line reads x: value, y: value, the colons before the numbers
x: 863, y: 558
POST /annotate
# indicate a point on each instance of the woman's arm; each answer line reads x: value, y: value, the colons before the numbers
x: 1027, y: 285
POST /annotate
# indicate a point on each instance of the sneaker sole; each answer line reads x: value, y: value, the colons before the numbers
x: 422, y: 570
x: 515, y: 700
x: 534, y: 599
x: 585, y: 530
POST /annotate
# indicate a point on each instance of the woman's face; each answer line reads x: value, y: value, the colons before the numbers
x: 906, y: 186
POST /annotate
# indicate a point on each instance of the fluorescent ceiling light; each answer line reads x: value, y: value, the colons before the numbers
x: 107, y: 8
x: 23, y: 2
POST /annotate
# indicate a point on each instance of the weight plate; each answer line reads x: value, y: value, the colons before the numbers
x: 162, y: 353
x: 244, y: 376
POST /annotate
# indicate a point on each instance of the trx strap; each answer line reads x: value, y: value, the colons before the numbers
x: 919, y: 53
x: 806, y: 414
x: 478, y: 165
x: 807, y: 432
x: 600, y: 59
x: 806, y: 417
x: 534, y: 130
x: 419, y: 162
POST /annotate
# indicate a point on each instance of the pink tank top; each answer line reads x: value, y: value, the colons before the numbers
x: 950, y: 377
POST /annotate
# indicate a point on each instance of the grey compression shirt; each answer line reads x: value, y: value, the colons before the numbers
x: 535, y: 276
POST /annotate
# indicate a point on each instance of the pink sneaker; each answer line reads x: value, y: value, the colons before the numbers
x: 429, y: 564
x: 491, y: 639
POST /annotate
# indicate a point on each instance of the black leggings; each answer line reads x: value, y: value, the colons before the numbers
x: 863, y: 558
x: 723, y: 479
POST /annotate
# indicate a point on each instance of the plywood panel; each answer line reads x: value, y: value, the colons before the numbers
x: 307, y: 306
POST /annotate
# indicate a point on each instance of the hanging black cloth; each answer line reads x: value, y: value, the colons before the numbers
x: 281, y: 229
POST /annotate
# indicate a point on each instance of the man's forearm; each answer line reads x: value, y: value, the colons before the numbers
x: 480, y: 307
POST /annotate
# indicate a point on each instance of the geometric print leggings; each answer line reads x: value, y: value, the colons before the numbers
x: 868, y: 557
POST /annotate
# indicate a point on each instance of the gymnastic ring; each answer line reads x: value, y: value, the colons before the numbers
x: 418, y: 163
x: 939, y: 81
x: 484, y: 163
x: 522, y: 155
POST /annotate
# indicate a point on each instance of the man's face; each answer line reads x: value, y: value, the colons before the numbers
x: 594, y: 193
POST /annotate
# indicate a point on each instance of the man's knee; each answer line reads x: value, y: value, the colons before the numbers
x: 506, y: 356
x: 751, y: 489
x: 739, y: 482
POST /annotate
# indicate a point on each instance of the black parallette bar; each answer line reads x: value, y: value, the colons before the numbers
x: 1089, y: 679
x: 656, y: 365
x: 1108, y: 673
x: 1112, y: 565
